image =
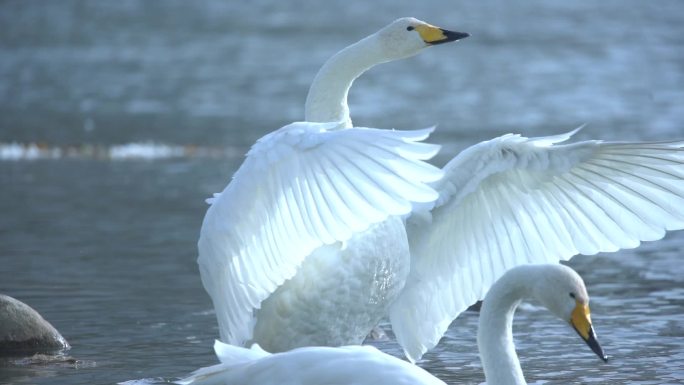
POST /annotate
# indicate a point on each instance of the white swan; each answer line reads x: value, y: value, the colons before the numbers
x: 303, y: 191
x: 557, y: 287
x: 325, y: 228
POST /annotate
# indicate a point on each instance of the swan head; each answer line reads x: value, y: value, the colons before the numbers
x: 407, y: 36
x: 562, y: 291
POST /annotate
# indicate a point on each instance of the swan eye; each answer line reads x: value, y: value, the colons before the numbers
x: 410, y: 28
x: 572, y: 295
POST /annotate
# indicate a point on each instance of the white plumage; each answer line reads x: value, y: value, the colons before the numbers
x: 301, y: 188
x: 347, y: 365
x: 325, y: 228
x: 365, y: 365
x: 513, y: 200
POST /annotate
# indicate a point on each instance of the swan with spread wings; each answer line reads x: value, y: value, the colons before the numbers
x: 326, y: 228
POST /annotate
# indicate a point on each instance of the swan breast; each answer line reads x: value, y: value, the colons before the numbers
x: 339, y: 293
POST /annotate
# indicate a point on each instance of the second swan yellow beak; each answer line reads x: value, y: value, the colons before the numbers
x: 581, y: 322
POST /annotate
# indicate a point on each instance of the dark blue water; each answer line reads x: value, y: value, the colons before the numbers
x: 126, y: 115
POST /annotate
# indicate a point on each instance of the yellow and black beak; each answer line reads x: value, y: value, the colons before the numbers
x: 434, y: 35
x: 581, y: 322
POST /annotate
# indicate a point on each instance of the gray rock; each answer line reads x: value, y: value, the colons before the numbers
x: 24, y: 332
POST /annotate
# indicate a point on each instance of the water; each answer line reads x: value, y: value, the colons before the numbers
x: 137, y: 111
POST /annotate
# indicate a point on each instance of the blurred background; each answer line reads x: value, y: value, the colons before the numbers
x: 118, y: 118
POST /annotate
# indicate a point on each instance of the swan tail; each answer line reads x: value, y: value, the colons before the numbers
x: 232, y: 357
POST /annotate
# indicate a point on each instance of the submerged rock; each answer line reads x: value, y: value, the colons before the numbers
x: 24, y: 332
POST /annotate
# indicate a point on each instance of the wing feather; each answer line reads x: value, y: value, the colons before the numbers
x: 515, y: 200
x: 302, y: 187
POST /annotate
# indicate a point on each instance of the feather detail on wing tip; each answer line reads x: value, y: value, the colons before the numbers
x: 257, y: 348
x: 231, y: 354
x: 419, y: 149
x: 213, y: 199
x: 546, y: 141
x: 419, y: 134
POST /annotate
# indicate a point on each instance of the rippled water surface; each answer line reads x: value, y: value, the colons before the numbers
x: 117, y: 120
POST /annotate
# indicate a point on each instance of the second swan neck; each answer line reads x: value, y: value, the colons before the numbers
x: 495, y: 331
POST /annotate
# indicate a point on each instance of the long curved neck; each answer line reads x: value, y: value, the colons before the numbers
x: 495, y: 331
x: 327, y: 98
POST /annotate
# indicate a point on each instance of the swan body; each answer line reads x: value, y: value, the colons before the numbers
x: 552, y: 285
x: 326, y: 227
x: 369, y: 283
x: 346, y: 365
x: 338, y: 195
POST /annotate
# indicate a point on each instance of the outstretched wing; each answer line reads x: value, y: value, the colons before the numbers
x: 515, y: 200
x: 302, y: 187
